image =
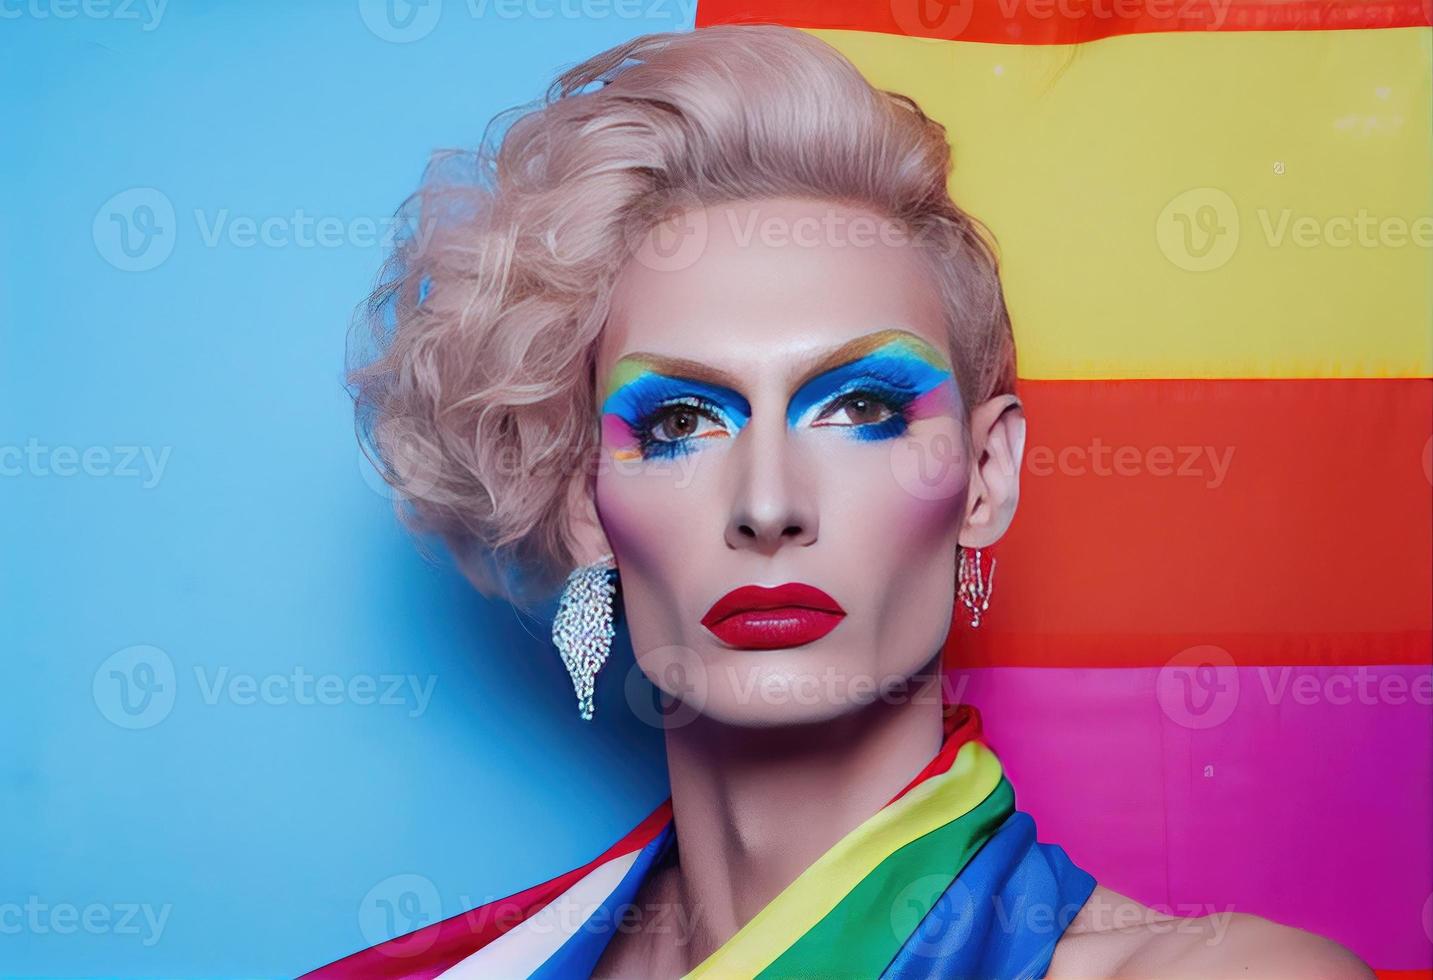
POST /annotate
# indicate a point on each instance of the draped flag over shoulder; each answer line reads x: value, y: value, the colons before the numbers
x: 914, y: 891
x: 1215, y: 221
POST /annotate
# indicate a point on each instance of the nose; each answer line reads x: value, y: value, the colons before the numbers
x: 773, y: 504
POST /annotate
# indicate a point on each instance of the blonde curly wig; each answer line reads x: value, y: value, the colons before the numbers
x: 471, y: 363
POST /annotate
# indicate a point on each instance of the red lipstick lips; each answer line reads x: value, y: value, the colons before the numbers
x: 754, y: 617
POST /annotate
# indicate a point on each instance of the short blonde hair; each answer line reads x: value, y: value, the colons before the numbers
x: 471, y: 363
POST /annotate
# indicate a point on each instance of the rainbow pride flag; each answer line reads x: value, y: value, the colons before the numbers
x: 1215, y: 219
x: 947, y: 879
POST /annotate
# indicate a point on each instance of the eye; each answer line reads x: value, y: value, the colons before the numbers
x: 859, y: 408
x: 680, y: 422
x: 672, y: 427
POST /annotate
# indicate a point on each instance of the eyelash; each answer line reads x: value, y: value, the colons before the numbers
x: 646, y: 427
x: 893, y: 405
x: 896, y: 402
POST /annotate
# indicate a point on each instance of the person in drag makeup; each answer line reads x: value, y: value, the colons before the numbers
x: 702, y: 341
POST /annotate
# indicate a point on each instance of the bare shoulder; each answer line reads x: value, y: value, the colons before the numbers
x: 1236, y: 944
x: 1115, y: 936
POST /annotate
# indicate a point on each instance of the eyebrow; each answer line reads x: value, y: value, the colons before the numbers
x: 681, y: 367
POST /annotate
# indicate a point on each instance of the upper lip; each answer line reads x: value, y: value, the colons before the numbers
x: 752, y: 597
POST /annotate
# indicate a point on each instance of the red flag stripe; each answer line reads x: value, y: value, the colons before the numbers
x: 1291, y: 519
x: 1065, y: 21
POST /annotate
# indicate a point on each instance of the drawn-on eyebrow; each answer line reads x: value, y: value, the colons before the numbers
x: 681, y: 367
x: 635, y: 362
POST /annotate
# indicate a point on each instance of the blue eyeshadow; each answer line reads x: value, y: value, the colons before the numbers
x: 900, y: 377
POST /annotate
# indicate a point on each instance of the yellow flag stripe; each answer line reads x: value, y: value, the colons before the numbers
x: 929, y: 806
x: 1236, y: 205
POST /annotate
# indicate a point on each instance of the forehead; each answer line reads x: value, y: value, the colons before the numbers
x: 755, y: 287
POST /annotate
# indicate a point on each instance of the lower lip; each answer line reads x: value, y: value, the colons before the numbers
x: 772, y: 629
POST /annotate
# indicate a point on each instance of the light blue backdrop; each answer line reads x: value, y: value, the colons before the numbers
x: 246, y: 727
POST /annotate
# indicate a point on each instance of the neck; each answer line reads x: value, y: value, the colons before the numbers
x: 755, y: 807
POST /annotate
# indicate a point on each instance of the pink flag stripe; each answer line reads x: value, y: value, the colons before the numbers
x: 1302, y: 794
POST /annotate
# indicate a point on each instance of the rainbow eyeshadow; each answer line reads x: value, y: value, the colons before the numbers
x: 896, y: 369
x: 640, y: 397
x: 905, y: 373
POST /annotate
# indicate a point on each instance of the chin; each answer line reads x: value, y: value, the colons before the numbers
x: 776, y: 687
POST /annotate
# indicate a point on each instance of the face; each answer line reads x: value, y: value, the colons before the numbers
x: 784, y: 463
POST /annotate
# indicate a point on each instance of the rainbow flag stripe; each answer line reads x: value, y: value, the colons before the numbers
x: 901, y: 895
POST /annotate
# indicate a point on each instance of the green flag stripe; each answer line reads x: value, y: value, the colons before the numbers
x: 860, y: 936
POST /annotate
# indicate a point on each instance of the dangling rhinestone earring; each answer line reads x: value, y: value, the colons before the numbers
x: 974, y: 586
x: 582, y: 630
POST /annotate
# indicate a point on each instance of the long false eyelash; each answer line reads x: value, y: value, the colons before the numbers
x: 897, y: 406
x: 893, y: 389
x: 891, y: 375
x: 645, y: 428
x: 887, y: 428
x: 873, y: 431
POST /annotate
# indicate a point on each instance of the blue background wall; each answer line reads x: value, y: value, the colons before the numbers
x: 190, y: 538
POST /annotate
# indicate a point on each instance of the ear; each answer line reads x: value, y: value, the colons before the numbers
x: 584, y: 529
x: 997, y: 436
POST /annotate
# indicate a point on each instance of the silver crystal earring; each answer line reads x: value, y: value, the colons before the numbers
x: 974, y: 585
x: 582, y: 630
